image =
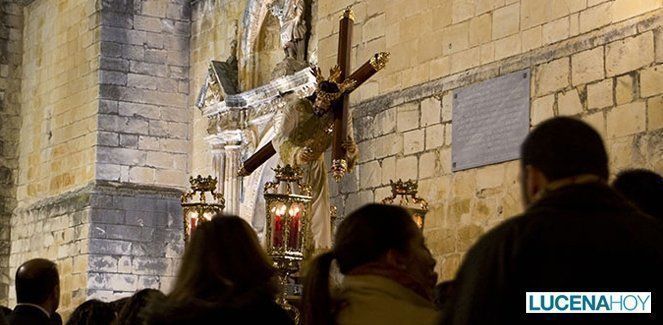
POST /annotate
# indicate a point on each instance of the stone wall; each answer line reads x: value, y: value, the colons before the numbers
x: 59, y: 98
x: 136, y: 239
x: 59, y: 101
x: 57, y: 229
x: 144, y: 86
x: 102, y: 153
x: 11, y: 31
x: 455, y: 35
x: 605, y: 70
x: 108, y: 240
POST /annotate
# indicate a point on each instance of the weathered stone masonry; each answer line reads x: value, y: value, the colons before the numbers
x: 11, y: 28
x: 143, y: 115
x: 103, y: 146
x: 108, y: 239
x: 135, y: 239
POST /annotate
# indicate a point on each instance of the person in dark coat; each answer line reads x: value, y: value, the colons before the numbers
x: 225, y: 277
x: 576, y: 234
x: 37, y: 294
x: 5, y: 311
x: 643, y: 188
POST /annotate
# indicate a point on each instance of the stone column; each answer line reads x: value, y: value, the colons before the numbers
x: 231, y: 182
x: 217, y: 145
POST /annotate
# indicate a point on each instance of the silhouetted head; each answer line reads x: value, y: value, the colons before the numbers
x: 92, y: 312
x: 443, y: 291
x: 383, y: 233
x: 118, y: 304
x: 560, y: 148
x: 222, y: 260
x: 38, y: 282
x: 133, y: 311
x: 644, y: 188
x: 374, y: 233
x: 5, y: 310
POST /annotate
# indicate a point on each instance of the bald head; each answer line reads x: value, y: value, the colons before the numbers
x: 38, y: 282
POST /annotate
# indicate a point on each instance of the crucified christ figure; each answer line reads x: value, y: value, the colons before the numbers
x: 305, y: 128
x: 304, y: 133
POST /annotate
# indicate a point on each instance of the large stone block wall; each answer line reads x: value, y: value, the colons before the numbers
x: 59, y: 98
x: 11, y: 31
x: 429, y: 39
x: 103, y: 144
x: 144, y: 85
x: 59, y: 76
x: 57, y: 229
x: 108, y: 240
x: 136, y: 239
x: 610, y: 77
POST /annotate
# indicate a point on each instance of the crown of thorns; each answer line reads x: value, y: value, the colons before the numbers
x: 334, y: 78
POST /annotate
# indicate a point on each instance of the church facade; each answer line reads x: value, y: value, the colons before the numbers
x: 102, y: 120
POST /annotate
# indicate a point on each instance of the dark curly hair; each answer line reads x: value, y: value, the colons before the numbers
x: 133, y: 310
x: 92, y: 312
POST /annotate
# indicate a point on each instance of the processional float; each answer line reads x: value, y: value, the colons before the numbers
x: 287, y: 198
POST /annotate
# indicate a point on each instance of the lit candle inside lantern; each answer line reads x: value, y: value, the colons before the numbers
x: 193, y: 224
x: 293, y: 225
x: 279, y: 213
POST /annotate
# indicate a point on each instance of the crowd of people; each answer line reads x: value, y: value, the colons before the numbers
x: 578, y: 233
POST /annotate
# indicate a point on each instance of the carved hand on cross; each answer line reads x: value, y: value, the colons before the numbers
x: 304, y: 156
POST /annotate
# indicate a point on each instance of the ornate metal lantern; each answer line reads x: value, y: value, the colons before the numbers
x: 407, y: 192
x: 288, y: 204
x: 195, y: 203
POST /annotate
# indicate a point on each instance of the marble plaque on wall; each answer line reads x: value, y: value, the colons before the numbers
x: 490, y: 120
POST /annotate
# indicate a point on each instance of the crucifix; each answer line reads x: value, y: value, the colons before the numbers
x: 307, y: 127
x: 338, y: 100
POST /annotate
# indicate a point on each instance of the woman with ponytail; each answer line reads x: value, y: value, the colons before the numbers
x: 388, y: 273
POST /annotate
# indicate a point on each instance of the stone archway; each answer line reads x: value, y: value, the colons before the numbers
x: 250, y: 28
x: 267, y: 52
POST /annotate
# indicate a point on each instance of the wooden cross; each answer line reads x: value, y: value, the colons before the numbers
x: 339, y: 107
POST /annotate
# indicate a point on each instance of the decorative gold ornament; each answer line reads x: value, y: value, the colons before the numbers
x: 348, y: 13
x: 333, y: 213
x: 287, y: 202
x: 339, y: 168
x: 200, y: 210
x: 407, y: 191
x: 333, y: 217
x: 379, y: 60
